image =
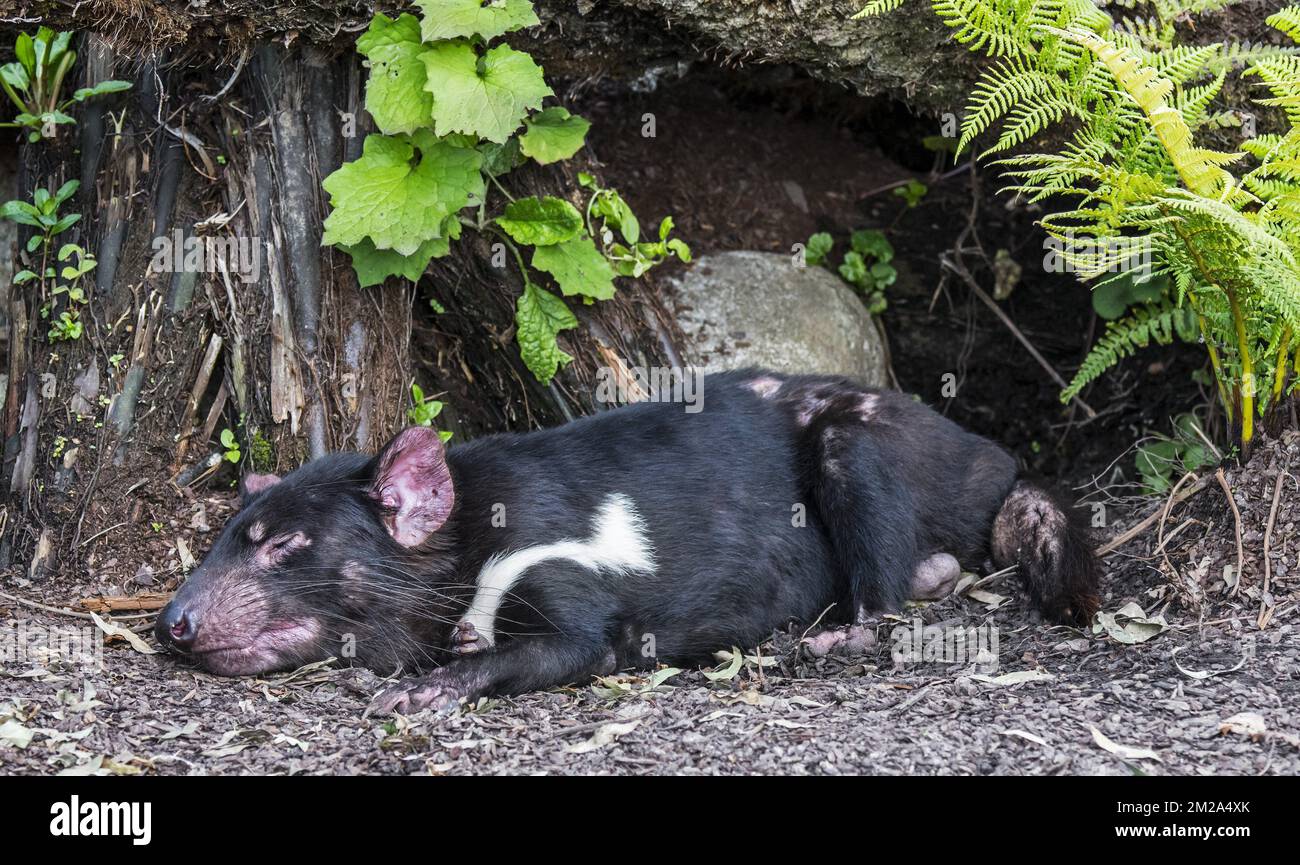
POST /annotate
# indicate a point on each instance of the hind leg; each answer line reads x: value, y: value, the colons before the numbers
x: 869, y: 515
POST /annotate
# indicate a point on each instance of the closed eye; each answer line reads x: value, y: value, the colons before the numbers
x: 284, y: 544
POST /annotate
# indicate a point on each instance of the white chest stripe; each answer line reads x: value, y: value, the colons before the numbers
x: 618, y: 543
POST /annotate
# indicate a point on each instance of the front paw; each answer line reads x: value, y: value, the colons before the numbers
x: 435, y: 691
x: 464, y: 638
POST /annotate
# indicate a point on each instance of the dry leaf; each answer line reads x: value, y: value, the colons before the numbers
x: 1037, y: 740
x: 603, y: 736
x: 15, y: 735
x: 1249, y: 724
x: 1130, y: 625
x: 1123, y: 751
x: 118, y: 631
x: 1015, y: 678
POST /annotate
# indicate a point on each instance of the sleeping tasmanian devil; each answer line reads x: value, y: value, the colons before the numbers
x: 639, y: 535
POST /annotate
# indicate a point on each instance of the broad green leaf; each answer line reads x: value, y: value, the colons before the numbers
x: 66, y: 191
x: 486, y: 96
x: 373, y: 266
x: 553, y: 134
x: 868, y: 242
x: 58, y: 47
x: 103, y: 87
x: 396, y: 201
x: 15, y: 76
x: 450, y: 19
x: 395, y: 94
x: 65, y: 223
x: 539, y: 317
x: 541, y: 222
x: 578, y: 268
x: 853, y: 269
x: 25, y: 52
x: 499, y: 159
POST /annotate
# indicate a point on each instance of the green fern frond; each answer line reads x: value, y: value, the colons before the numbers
x: 1122, y: 339
x: 878, y: 7
x: 1151, y: 93
x: 1287, y: 20
x: 998, y: 90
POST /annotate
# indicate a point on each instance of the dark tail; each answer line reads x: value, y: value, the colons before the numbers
x: 1052, y: 547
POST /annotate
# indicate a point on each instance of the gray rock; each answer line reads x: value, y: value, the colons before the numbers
x: 743, y: 309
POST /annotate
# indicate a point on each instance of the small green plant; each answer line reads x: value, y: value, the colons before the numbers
x: 42, y: 213
x: 231, y: 446
x: 866, y: 266
x: 912, y: 192
x: 64, y: 283
x: 34, y: 83
x: 261, y: 454
x: 1160, y: 463
x: 633, y: 256
x: 424, y: 410
x: 456, y: 114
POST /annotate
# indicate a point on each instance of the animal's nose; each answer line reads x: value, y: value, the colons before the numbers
x: 176, y: 628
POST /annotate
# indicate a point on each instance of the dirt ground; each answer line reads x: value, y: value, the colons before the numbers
x: 1195, y: 685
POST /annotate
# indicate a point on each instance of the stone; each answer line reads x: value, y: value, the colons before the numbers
x: 741, y: 309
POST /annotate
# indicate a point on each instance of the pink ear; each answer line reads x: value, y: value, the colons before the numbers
x: 413, y: 485
x: 253, y: 484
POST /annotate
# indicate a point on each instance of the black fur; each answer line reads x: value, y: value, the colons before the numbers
x: 783, y: 497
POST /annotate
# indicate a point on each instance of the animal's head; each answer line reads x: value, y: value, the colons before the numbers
x: 339, y: 558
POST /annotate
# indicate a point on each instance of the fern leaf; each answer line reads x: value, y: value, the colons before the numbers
x: 1123, y: 338
x: 877, y: 7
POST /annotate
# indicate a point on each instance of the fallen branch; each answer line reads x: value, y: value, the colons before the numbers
x: 61, y: 611
x: 144, y: 601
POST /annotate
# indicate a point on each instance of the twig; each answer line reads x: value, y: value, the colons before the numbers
x: 932, y: 178
x: 1262, y: 621
x: 1236, y: 519
x: 965, y: 276
x: 62, y: 612
x: 99, y: 534
x: 1164, y: 517
x: 1114, y: 544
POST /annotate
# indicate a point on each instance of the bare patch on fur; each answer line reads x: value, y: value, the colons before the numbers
x: 809, y: 408
x: 868, y: 406
x: 766, y: 386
